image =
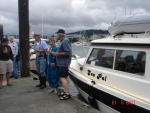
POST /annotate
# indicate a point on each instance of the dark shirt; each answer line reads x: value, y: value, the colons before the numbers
x: 5, y: 56
x: 65, y: 47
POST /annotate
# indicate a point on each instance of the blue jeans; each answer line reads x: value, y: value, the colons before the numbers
x: 18, y: 65
x: 52, y: 76
x: 40, y: 66
x: 14, y: 72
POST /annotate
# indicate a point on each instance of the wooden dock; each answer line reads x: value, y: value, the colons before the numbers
x: 24, y: 97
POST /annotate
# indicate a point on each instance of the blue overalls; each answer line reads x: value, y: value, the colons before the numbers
x: 52, y: 69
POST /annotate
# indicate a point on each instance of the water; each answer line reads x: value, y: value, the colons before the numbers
x: 81, y: 51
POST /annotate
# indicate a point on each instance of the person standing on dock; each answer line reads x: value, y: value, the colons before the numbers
x: 52, y: 69
x: 40, y: 48
x: 14, y: 48
x: 63, y: 54
x: 6, y: 64
x: 18, y: 61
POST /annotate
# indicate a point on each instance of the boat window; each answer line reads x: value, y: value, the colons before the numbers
x: 101, y: 57
x: 130, y: 61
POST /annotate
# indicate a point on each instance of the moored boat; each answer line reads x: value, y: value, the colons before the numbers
x: 114, y: 77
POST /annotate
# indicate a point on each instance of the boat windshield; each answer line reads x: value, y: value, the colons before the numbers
x: 102, y: 57
x: 125, y: 60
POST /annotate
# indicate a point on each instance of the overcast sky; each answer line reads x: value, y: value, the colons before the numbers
x: 71, y: 15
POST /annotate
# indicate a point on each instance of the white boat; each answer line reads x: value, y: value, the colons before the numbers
x: 131, y: 24
x: 115, y: 75
x: 32, y: 62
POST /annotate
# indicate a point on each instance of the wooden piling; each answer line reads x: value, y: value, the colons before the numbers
x: 1, y: 32
x: 23, y: 9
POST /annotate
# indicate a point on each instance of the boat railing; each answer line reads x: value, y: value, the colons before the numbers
x: 147, y: 31
x: 141, y: 35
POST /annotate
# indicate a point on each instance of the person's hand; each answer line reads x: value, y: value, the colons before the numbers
x: 49, y: 51
x: 5, y: 51
x: 55, y: 53
x: 37, y: 50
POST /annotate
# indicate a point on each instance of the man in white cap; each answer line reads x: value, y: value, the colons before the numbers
x: 40, y: 48
x: 63, y: 61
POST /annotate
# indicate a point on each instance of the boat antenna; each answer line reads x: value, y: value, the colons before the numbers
x: 83, y: 41
x: 42, y: 26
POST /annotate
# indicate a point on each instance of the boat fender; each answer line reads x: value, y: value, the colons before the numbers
x: 81, y: 68
x: 93, y: 82
x: 92, y: 102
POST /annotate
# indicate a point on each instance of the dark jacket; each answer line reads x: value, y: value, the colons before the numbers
x: 5, y: 56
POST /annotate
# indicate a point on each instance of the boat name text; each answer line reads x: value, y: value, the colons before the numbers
x: 99, y: 76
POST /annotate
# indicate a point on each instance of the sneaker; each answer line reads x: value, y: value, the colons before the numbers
x: 34, y: 78
x: 11, y: 76
x: 16, y: 77
x: 9, y: 84
x: 39, y: 85
x: 43, y: 86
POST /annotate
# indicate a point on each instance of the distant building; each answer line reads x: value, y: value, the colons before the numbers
x: 30, y: 32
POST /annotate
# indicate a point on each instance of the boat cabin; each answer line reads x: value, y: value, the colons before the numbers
x: 125, y: 60
x: 126, y: 54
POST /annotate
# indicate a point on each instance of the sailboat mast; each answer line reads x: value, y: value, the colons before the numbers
x: 42, y: 26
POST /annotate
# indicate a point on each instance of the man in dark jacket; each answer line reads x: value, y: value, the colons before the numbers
x: 6, y: 64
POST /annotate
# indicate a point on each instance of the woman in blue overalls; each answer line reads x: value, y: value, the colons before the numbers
x: 52, y: 69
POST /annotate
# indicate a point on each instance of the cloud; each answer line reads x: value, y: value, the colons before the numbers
x: 71, y: 15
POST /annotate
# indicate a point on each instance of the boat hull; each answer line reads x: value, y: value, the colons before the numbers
x: 103, y: 101
x: 32, y: 62
x: 33, y: 66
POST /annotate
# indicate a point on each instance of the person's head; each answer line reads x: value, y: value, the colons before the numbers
x: 60, y: 34
x: 5, y: 42
x: 11, y: 39
x: 37, y: 37
x: 51, y: 41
